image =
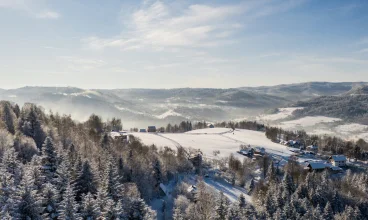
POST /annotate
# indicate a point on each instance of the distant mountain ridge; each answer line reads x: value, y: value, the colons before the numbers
x: 161, y: 106
x: 350, y: 106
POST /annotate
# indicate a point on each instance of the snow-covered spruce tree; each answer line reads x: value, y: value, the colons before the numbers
x: 234, y: 212
x: 222, y: 206
x: 49, y: 159
x: 89, y: 208
x: 121, y: 170
x: 11, y: 165
x: 110, y: 183
x: 157, y: 175
x: 85, y: 183
x: 140, y: 211
x: 287, y: 183
x: 49, y: 202
x: 327, y: 212
x: 103, y: 201
x: 34, y: 170
x: 30, y: 125
x: 8, y: 116
x: 76, y: 169
x: 62, y: 176
x: 7, y: 194
x: 242, y: 202
x: 115, y: 212
x: 271, y: 173
x: 68, y: 206
x: 180, y: 205
x: 28, y: 205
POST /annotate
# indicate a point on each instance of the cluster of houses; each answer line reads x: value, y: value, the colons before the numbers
x: 253, y: 151
x: 333, y: 164
x: 149, y: 129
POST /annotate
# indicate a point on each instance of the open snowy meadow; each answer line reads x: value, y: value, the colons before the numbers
x: 214, y: 139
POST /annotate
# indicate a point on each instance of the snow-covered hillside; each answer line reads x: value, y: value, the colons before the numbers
x: 282, y: 114
x: 307, y: 122
x: 214, y: 139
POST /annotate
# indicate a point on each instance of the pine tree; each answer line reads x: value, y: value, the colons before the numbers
x: 16, y: 110
x: 140, y: 211
x: 89, y: 208
x: 328, y: 213
x: 110, y: 181
x: 317, y: 214
x: 85, y: 183
x: 31, y: 126
x: 104, y: 203
x: 271, y: 173
x: 62, y: 176
x: 28, y: 204
x: 121, y: 170
x: 157, y: 175
x: 10, y: 165
x: 7, y: 116
x: 49, y: 202
x: 287, y: 183
x: 49, y: 159
x: 242, y: 202
x: 222, y: 206
x: 7, y: 194
x: 68, y: 206
x: 234, y: 213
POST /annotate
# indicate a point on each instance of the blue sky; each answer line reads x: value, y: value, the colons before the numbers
x: 182, y: 43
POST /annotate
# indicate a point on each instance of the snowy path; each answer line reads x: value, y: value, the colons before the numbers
x: 230, y: 191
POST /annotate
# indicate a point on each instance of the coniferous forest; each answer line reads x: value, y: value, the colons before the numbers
x: 53, y: 167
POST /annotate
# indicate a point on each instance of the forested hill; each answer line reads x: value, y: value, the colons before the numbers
x: 351, y: 106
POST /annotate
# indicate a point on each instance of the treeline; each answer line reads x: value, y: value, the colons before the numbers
x: 312, y: 196
x: 353, y: 107
x: 52, y: 167
x: 185, y: 126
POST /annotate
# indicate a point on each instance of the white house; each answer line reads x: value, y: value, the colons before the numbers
x: 338, y: 160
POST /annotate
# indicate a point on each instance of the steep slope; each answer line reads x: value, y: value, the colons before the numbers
x: 351, y: 106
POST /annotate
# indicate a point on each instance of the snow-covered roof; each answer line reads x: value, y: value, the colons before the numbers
x: 114, y: 134
x: 317, y: 165
x: 334, y: 168
x: 338, y: 157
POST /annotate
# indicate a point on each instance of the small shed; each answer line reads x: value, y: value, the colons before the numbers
x: 338, y: 160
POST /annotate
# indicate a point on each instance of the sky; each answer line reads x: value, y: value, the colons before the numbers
x: 181, y: 43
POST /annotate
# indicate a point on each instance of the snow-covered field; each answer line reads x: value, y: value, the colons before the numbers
x: 256, y: 138
x: 282, y: 114
x: 214, y: 139
x: 150, y: 138
x: 307, y: 122
x: 348, y: 128
x: 210, y: 131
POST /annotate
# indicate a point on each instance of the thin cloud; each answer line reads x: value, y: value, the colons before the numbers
x: 156, y: 24
x: 48, y: 15
x: 34, y: 8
